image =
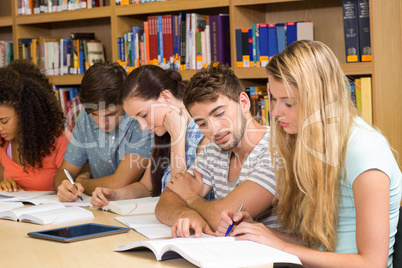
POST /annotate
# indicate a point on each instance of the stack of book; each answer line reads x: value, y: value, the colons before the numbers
x: 182, y: 42
x: 256, y: 45
x: 58, y: 56
x: 6, y: 53
x: 28, y: 7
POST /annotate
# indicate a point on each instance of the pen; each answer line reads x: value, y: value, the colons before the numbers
x: 231, y: 226
x: 71, y: 180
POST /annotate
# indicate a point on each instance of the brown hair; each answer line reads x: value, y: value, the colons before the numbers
x: 102, y: 83
x: 147, y: 82
x: 208, y: 83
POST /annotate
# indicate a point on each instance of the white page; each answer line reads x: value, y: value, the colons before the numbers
x: 55, y: 199
x: 6, y: 206
x: 133, y: 206
x: 147, y: 225
x: 59, y: 215
x: 22, y: 195
x: 34, y: 209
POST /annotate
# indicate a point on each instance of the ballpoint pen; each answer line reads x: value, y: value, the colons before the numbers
x: 71, y: 180
x: 231, y: 226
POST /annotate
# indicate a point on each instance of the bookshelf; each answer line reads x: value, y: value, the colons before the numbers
x: 111, y: 21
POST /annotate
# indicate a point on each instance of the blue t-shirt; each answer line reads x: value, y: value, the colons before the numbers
x: 367, y: 149
x: 104, y: 150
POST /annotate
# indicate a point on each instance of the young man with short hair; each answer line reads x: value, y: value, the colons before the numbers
x: 104, y: 137
x: 236, y: 164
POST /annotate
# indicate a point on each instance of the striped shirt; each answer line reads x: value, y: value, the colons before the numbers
x: 213, y: 164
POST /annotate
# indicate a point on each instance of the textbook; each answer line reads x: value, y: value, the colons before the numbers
x: 213, y: 252
x: 47, y: 214
x: 22, y: 196
x: 132, y: 206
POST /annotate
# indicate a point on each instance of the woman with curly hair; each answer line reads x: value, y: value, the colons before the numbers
x: 32, y: 141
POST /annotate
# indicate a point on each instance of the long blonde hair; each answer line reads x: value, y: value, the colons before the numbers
x: 309, y: 164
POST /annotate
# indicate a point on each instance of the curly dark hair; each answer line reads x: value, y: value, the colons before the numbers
x: 40, y: 118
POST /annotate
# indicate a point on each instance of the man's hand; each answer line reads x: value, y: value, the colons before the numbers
x: 186, y: 186
x: 228, y: 217
x: 191, y: 221
x: 67, y: 192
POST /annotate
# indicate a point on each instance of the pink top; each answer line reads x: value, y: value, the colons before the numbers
x: 36, y: 179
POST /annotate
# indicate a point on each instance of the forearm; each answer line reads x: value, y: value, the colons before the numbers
x: 170, y: 208
x: 290, y: 238
x: 59, y: 178
x: 177, y: 156
x: 134, y: 190
x: 90, y: 184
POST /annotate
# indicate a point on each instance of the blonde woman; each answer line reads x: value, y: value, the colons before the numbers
x: 338, y: 183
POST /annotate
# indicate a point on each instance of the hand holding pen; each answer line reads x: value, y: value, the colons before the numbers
x: 231, y: 226
x: 72, y: 181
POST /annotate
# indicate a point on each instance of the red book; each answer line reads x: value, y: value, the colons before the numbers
x: 146, y: 34
x: 153, y: 41
x: 167, y: 35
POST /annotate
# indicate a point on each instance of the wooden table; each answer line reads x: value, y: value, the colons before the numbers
x: 17, y: 249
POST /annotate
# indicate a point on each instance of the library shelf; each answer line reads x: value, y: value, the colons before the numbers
x: 6, y: 21
x: 64, y: 80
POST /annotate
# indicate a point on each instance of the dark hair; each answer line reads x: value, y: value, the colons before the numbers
x: 208, y: 83
x: 102, y: 83
x: 40, y: 118
x: 147, y: 82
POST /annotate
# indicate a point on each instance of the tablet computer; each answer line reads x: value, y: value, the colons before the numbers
x: 78, y: 232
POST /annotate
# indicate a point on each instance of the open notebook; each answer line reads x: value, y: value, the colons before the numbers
x: 133, y: 206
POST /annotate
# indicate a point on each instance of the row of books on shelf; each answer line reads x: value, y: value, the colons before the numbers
x: 183, y: 42
x: 362, y: 96
x: 28, y: 7
x: 6, y: 53
x: 356, y: 24
x: 58, y: 56
x: 129, y: 2
x: 256, y: 45
x: 70, y: 104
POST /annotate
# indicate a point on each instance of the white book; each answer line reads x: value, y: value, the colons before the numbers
x: 213, y: 251
x: 47, y: 214
x: 22, y: 196
x: 147, y: 225
x: 305, y: 30
x: 133, y: 206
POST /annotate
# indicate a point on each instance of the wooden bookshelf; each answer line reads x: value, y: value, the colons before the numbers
x: 112, y: 21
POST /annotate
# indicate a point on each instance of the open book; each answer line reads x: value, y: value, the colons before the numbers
x: 22, y: 196
x: 133, y: 206
x: 213, y: 252
x: 147, y: 225
x: 47, y: 214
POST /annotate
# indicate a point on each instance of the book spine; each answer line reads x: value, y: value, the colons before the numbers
x: 159, y: 31
x: 263, y: 45
x: 245, y: 47
x: 272, y: 44
x: 239, y: 51
x: 351, y: 30
x: 281, y: 36
x: 213, y: 22
x: 254, y: 43
x: 364, y: 29
x: 291, y: 32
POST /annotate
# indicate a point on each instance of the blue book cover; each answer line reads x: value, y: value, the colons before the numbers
x: 239, y: 55
x: 272, y: 44
x: 281, y: 36
x: 263, y: 44
x: 291, y: 32
x: 119, y: 48
x: 160, y: 38
x: 351, y: 30
x: 250, y: 46
x: 220, y: 38
x: 257, y: 44
x: 363, y: 12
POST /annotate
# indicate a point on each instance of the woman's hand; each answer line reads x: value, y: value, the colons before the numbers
x: 9, y: 185
x: 228, y: 217
x: 101, y: 196
x: 176, y: 123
